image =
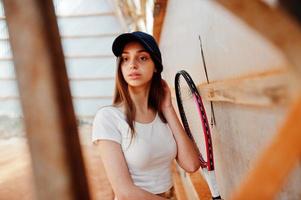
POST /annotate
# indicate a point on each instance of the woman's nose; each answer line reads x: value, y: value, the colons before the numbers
x: 133, y: 64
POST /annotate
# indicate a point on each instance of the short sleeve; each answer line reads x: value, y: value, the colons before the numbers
x: 105, y: 126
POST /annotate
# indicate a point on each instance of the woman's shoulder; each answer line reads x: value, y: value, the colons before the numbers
x: 109, y: 111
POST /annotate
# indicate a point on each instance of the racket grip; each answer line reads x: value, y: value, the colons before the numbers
x: 211, y: 180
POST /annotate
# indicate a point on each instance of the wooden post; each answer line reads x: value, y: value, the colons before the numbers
x: 159, y: 15
x: 50, y: 122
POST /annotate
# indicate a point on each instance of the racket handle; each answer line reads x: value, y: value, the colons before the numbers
x: 211, y: 180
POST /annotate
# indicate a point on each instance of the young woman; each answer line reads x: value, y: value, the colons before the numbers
x: 140, y: 135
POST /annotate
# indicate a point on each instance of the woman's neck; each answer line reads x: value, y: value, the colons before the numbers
x: 139, y: 97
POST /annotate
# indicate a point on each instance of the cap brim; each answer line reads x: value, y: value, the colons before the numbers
x: 123, y: 39
x: 120, y: 42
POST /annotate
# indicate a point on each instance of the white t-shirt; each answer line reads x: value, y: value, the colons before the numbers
x: 148, y: 156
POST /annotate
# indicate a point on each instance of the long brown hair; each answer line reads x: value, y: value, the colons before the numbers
x: 121, y: 96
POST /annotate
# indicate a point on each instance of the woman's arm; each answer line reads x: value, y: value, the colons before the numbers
x: 187, y: 156
x: 118, y: 173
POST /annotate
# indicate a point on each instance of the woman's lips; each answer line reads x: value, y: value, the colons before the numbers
x: 134, y: 75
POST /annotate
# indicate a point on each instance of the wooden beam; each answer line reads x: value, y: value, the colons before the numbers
x: 4, y: 39
x: 179, y: 188
x: 92, y: 97
x: 6, y: 58
x: 134, y: 13
x: 143, y: 4
x: 271, y: 170
x: 267, y: 89
x: 7, y: 98
x: 159, y: 15
x: 96, y: 78
x: 81, y: 15
x: 118, y: 10
x: 50, y: 122
x: 79, y: 56
x: 200, y: 187
x: 89, y: 56
x: 79, y: 36
x: 94, y: 35
x: 263, y: 89
x: 84, y: 15
x: 195, y: 186
x: 7, y: 79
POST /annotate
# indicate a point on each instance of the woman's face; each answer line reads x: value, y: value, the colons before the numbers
x: 137, y: 66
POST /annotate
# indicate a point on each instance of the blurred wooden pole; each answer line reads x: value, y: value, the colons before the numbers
x: 160, y: 7
x: 46, y: 100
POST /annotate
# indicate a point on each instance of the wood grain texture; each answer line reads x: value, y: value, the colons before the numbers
x: 159, y: 15
x: 200, y: 186
x: 263, y: 89
x: 16, y: 175
x: 50, y: 122
x: 266, y: 89
x: 178, y: 184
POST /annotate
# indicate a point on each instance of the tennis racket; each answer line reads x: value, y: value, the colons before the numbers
x: 195, y: 122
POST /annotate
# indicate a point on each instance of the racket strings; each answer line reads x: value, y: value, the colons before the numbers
x: 182, y: 111
x: 192, y: 109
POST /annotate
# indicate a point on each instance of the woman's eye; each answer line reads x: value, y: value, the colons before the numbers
x: 124, y: 59
x: 143, y: 58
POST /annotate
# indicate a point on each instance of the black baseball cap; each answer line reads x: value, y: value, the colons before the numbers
x: 146, y: 40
